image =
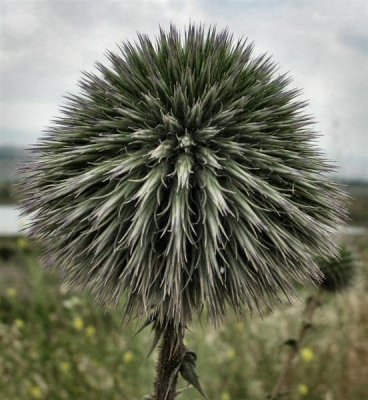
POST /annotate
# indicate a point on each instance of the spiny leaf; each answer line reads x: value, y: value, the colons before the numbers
x: 188, y: 371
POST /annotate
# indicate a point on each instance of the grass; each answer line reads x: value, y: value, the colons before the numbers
x: 56, y: 344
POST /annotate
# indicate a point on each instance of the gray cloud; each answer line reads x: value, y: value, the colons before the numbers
x: 45, y: 45
x: 356, y: 41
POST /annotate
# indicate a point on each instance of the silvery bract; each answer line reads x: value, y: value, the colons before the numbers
x: 185, y: 177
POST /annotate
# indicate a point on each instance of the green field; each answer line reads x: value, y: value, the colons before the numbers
x: 56, y: 344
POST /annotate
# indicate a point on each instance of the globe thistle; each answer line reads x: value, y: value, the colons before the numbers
x: 339, y: 272
x: 184, y: 176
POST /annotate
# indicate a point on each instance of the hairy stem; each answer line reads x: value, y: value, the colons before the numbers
x: 310, y: 309
x: 172, y: 351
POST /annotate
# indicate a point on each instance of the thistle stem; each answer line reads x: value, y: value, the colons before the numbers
x: 309, y: 311
x: 172, y: 351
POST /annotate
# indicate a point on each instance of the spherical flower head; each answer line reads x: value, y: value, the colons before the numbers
x: 184, y: 177
x: 339, y: 272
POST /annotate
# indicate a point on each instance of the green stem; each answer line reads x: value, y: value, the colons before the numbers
x: 172, y: 351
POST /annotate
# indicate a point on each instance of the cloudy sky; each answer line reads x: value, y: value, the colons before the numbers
x: 323, y: 43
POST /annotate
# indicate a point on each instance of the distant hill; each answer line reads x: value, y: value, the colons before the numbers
x: 10, y: 157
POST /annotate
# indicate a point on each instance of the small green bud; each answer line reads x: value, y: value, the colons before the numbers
x: 339, y: 272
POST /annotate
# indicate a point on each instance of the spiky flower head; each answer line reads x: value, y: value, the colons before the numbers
x: 184, y: 176
x: 339, y: 272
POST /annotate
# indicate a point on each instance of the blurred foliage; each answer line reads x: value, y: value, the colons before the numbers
x: 56, y: 344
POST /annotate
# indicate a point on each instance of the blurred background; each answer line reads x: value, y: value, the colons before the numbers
x: 56, y: 344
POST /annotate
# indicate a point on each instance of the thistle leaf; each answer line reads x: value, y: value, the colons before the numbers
x: 188, y: 372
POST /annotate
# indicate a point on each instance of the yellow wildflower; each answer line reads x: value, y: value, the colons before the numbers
x: 128, y: 357
x: 225, y: 396
x: 90, y: 331
x: 19, y: 323
x: 65, y: 367
x: 11, y: 292
x: 78, y: 323
x: 307, y: 354
x: 35, y: 392
x: 303, y: 390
